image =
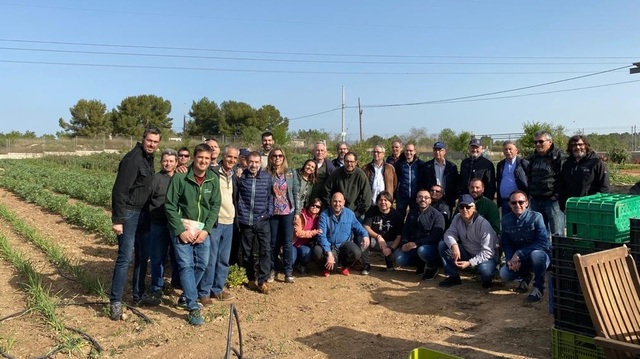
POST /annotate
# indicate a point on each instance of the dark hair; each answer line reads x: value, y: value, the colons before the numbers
x: 575, y: 138
x: 385, y: 194
x: 151, y: 130
x: 211, y: 139
x: 437, y: 185
x: 266, y: 134
x: 476, y: 179
x: 314, y: 201
x: 314, y: 175
x: 184, y: 148
x: 203, y: 147
x: 519, y: 191
x: 355, y: 157
x: 254, y: 154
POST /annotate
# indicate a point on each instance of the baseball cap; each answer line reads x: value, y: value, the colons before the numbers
x: 465, y: 200
x: 475, y: 142
x: 438, y: 145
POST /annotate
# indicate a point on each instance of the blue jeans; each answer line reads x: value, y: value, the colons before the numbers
x: 486, y: 269
x: 160, y: 241
x: 551, y: 213
x: 426, y: 253
x: 538, y: 261
x: 134, y: 238
x: 303, y: 254
x: 192, y: 262
x: 282, y: 236
x: 215, y: 276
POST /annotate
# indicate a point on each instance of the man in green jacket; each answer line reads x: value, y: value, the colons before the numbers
x: 353, y: 183
x: 192, y: 207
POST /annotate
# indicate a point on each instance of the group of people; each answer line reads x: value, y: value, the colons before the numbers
x: 211, y: 210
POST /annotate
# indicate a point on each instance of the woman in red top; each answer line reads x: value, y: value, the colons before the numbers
x: 305, y: 229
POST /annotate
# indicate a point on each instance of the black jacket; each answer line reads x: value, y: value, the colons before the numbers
x: 428, y: 176
x: 544, y: 174
x: 132, y: 187
x: 580, y: 178
x: 520, y: 174
x: 424, y: 228
x: 482, y: 168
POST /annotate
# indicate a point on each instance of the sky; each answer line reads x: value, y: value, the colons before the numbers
x: 486, y: 67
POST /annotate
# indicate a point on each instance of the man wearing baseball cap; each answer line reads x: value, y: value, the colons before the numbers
x: 442, y: 172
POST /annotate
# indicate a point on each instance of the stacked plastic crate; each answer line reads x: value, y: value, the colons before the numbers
x: 634, y: 243
x: 594, y: 223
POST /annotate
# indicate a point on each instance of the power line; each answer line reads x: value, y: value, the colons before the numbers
x: 202, y: 49
x: 111, y: 53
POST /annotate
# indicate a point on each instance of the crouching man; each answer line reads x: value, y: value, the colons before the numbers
x: 470, y: 242
x: 525, y: 242
x: 336, y: 245
x: 192, y: 206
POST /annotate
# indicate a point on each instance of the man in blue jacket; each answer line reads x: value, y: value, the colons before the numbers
x: 337, y: 226
x: 525, y: 242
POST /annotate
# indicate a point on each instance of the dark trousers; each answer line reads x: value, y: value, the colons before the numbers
x: 256, y: 249
x: 347, y: 254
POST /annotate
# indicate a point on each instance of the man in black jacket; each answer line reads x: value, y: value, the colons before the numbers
x: 544, y: 182
x: 130, y: 218
x: 583, y: 173
x: 477, y: 166
x: 442, y: 172
x: 511, y: 175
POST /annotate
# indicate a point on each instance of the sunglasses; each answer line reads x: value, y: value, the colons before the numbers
x: 436, y: 191
x: 183, y: 155
x: 318, y: 206
x: 513, y: 203
x: 465, y: 206
x: 540, y: 141
x: 277, y: 156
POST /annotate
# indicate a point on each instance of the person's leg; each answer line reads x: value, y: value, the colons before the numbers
x: 487, y: 270
x: 274, y: 225
x: 201, y: 255
x: 222, y: 259
x: 539, y: 263
x: 286, y: 230
x: 428, y: 253
x: 556, y: 218
x: 507, y: 275
x: 206, y: 284
x: 538, y: 206
x: 505, y: 208
x: 141, y: 255
x: 175, y: 273
x: 248, y: 261
x: 262, y: 231
x: 318, y: 256
x: 401, y: 206
x: 125, y: 251
x: 304, y: 255
x: 348, y: 253
x: 406, y: 259
x: 185, y: 258
x: 445, y: 253
x: 159, y: 247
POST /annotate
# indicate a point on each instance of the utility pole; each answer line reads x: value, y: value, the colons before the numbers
x: 360, y: 119
x: 344, y: 131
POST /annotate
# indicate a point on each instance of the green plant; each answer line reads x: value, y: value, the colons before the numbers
x: 237, y: 276
x: 619, y: 155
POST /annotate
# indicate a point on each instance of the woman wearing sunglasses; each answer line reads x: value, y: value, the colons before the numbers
x: 305, y: 229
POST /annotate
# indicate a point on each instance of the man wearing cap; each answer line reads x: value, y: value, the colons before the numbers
x: 511, y: 175
x: 442, y: 172
x: 469, y: 242
x: 477, y: 166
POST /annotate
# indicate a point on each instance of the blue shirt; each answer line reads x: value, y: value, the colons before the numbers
x: 524, y: 234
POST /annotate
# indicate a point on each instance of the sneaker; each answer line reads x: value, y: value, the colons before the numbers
x: 326, y: 273
x: 206, y: 301
x: 272, y: 277
x: 366, y: 269
x: 195, y: 318
x: 450, y: 281
x: 344, y: 271
x: 388, y: 269
x: 302, y: 269
x: 430, y: 274
x: 116, y: 311
x: 182, y: 302
x: 149, y: 300
x: 263, y: 288
x: 289, y: 279
x: 223, y: 296
x: 420, y: 269
x: 523, y: 287
x: 535, y: 295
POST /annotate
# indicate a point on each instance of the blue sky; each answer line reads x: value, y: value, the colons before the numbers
x: 297, y: 55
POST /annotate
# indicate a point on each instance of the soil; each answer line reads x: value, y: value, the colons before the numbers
x: 383, y: 315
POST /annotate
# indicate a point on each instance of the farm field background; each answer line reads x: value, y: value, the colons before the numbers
x: 57, y: 253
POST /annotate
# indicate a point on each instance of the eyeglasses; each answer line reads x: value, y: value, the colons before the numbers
x: 378, y: 152
x: 465, y: 206
x: 423, y: 197
x: 513, y: 203
x: 181, y: 155
x: 277, y: 156
x: 578, y: 145
x: 540, y: 141
x: 436, y: 190
x: 350, y: 161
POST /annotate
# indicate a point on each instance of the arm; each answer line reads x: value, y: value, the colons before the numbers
x: 601, y: 177
x: 365, y: 196
x: 323, y: 225
x: 171, y: 206
x: 127, y: 174
x: 490, y: 189
x: 214, y: 205
x: 298, y: 228
x: 541, y: 241
x: 488, y: 239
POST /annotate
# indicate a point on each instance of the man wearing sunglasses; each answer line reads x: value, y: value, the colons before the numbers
x: 525, y: 243
x: 543, y: 177
x: 470, y: 242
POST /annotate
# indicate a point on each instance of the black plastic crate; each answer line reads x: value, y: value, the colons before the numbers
x: 575, y: 321
x: 634, y: 231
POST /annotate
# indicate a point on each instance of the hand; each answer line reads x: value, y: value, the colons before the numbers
x: 409, y: 246
x: 186, y: 237
x: 331, y: 261
x: 386, y: 251
x: 181, y: 169
x: 462, y: 264
x: 202, y: 235
x: 455, y: 253
x: 366, y: 241
x: 117, y: 229
x: 319, y: 231
x: 514, y: 263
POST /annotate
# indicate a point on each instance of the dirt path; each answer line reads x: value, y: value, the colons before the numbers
x: 384, y: 315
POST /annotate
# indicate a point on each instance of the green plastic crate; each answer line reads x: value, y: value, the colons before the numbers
x: 425, y: 353
x: 601, y: 216
x: 567, y: 345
